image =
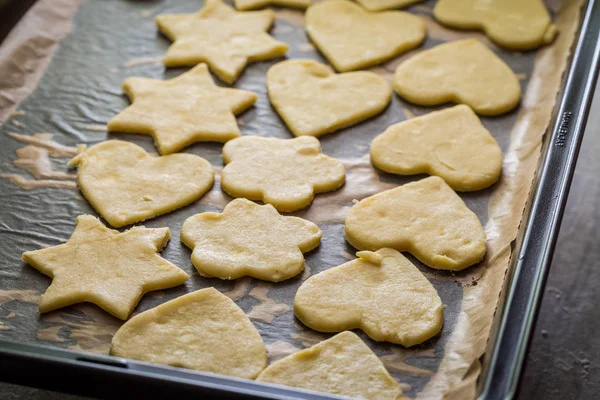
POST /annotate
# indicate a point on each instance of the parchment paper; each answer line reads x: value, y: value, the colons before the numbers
x: 72, y: 97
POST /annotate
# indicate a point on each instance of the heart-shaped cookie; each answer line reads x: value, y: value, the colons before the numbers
x: 342, y: 365
x: 381, y: 293
x: 451, y: 143
x: 352, y: 38
x: 425, y: 218
x: 463, y: 71
x: 127, y: 185
x: 313, y: 100
x: 204, y: 330
x: 516, y: 24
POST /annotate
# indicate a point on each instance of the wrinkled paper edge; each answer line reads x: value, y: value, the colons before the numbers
x: 27, y: 50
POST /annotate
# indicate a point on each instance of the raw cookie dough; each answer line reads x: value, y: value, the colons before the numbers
x: 451, y: 143
x: 110, y: 269
x: 516, y: 24
x: 180, y: 111
x: 283, y: 172
x: 425, y: 218
x: 380, y: 5
x: 204, y: 330
x: 343, y: 365
x: 385, y: 296
x: 127, y: 185
x: 463, y: 71
x: 248, y: 239
x: 226, y: 39
x: 313, y: 100
x: 352, y: 38
x: 254, y: 4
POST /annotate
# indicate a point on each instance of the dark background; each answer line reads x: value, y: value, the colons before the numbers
x: 562, y: 362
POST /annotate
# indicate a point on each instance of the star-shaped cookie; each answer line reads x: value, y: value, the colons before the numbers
x: 283, y: 172
x: 178, y: 112
x: 248, y: 239
x: 225, y: 39
x: 110, y: 269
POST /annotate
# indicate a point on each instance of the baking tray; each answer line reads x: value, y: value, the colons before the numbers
x: 80, y: 91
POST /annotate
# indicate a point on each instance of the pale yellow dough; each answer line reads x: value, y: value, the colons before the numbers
x: 178, y: 112
x: 463, y: 71
x: 451, y: 143
x: 313, y: 100
x: 254, y: 4
x: 283, y: 172
x: 386, y: 296
x: 204, y: 330
x: 516, y: 24
x: 425, y: 218
x: 248, y: 239
x: 110, y: 269
x: 352, y: 38
x: 343, y: 365
x: 380, y: 5
x: 127, y: 185
x: 226, y: 39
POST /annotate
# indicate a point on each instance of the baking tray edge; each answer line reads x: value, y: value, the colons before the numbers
x: 534, y: 247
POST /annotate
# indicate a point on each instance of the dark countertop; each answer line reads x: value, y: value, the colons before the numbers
x: 563, y: 360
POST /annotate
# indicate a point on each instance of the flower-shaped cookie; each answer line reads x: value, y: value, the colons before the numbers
x: 178, y: 112
x: 463, y: 71
x: 343, y: 365
x: 381, y: 293
x: 127, y: 185
x: 451, y: 143
x: 425, y: 218
x: 283, y: 172
x: 225, y: 39
x: 204, y: 330
x: 248, y: 239
x: 108, y: 268
x: 516, y: 24
x: 313, y: 100
x: 352, y: 38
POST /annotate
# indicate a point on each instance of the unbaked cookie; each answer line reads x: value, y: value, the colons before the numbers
x: 248, y: 239
x: 204, y: 330
x: 451, y: 143
x: 516, y: 24
x: 477, y: 77
x: 254, y: 4
x: 343, y: 365
x: 381, y: 293
x: 180, y: 111
x: 226, y: 39
x: 425, y: 218
x: 127, y: 185
x: 313, y: 100
x: 352, y: 38
x: 283, y: 172
x: 380, y: 5
x: 108, y: 268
